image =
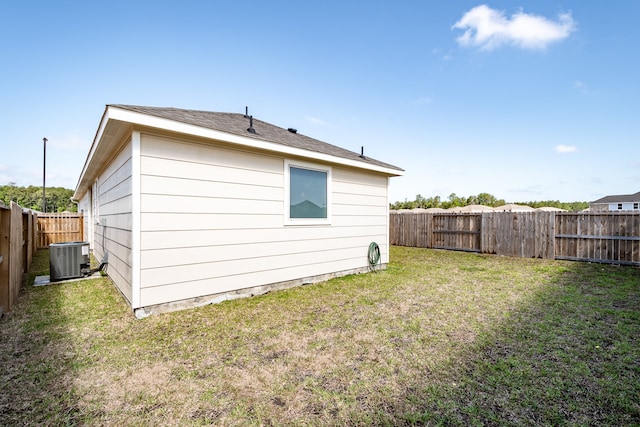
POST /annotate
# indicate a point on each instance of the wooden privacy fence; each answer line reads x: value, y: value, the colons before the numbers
x: 598, y: 237
x: 18, y: 234
x: 59, y: 228
x: 608, y: 237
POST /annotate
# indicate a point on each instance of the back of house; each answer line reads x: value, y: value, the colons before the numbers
x: 193, y: 207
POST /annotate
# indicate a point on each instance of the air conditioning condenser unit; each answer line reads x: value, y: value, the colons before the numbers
x: 66, y: 260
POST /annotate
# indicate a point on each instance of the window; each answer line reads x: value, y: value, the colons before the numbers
x: 635, y: 206
x: 619, y: 205
x: 307, y: 193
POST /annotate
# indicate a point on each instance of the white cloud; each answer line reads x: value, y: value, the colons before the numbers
x: 488, y: 29
x: 423, y: 101
x: 596, y: 180
x: 561, y: 148
x: 315, y: 121
x: 632, y: 164
x: 581, y: 87
x: 448, y: 56
x: 71, y: 141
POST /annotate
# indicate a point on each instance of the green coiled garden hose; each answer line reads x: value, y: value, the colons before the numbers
x: 374, y: 255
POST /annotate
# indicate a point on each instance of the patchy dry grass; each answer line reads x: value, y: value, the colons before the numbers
x: 439, y: 338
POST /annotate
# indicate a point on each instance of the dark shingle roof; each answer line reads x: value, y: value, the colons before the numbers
x: 238, y: 124
x: 625, y: 198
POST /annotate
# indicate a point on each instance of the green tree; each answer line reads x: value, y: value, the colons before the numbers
x: 489, y: 200
x: 454, y: 201
x: 481, y: 199
x: 58, y: 198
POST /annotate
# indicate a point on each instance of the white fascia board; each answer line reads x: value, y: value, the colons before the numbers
x: 174, y: 126
x: 92, y: 150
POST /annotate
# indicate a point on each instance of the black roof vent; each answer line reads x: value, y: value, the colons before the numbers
x: 292, y: 130
x: 251, y: 129
x: 246, y: 112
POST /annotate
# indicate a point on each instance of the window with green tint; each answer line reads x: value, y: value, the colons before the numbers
x: 307, y: 193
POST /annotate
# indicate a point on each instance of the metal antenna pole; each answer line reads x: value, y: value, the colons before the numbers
x: 44, y: 175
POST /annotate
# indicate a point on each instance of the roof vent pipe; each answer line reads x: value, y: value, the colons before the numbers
x: 362, y: 152
x: 251, y: 129
x: 246, y: 112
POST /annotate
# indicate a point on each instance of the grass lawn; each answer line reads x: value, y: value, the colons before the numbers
x: 439, y: 338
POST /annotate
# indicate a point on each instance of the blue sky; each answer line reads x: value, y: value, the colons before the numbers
x: 529, y: 100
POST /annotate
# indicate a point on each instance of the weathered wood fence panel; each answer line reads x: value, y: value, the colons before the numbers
x: 610, y: 237
x: 16, y: 254
x: 17, y: 237
x: 457, y: 232
x: 411, y: 230
x: 59, y: 228
x: 518, y: 234
x: 5, y: 232
x: 30, y: 236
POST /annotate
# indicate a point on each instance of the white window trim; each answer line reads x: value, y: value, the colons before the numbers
x: 287, y: 193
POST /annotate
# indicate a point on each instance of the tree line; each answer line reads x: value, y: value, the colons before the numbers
x: 58, y: 199
x: 481, y: 199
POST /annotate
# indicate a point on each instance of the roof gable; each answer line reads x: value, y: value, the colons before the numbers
x: 238, y: 124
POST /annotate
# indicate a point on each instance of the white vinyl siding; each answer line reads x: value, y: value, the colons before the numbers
x: 360, y: 202
x: 626, y: 206
x: 113, y: 225
x: 212, y: 220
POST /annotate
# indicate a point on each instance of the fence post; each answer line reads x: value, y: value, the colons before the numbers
x: 5, y: 229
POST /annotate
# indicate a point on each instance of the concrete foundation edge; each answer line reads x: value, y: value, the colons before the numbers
x: 200, y: 301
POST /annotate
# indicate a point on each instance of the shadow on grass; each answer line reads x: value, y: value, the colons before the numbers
x: 38, y: 352
x: 569, y: 356
x: 440, y: 338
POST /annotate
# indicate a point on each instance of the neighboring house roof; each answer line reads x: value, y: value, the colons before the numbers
x: 427, y: 210
x: 470, y: 208
x: 625, y: 198
x: 227, y: 127
x: 476, y: 208
x: 512, y: 207
x: 550, y: 209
